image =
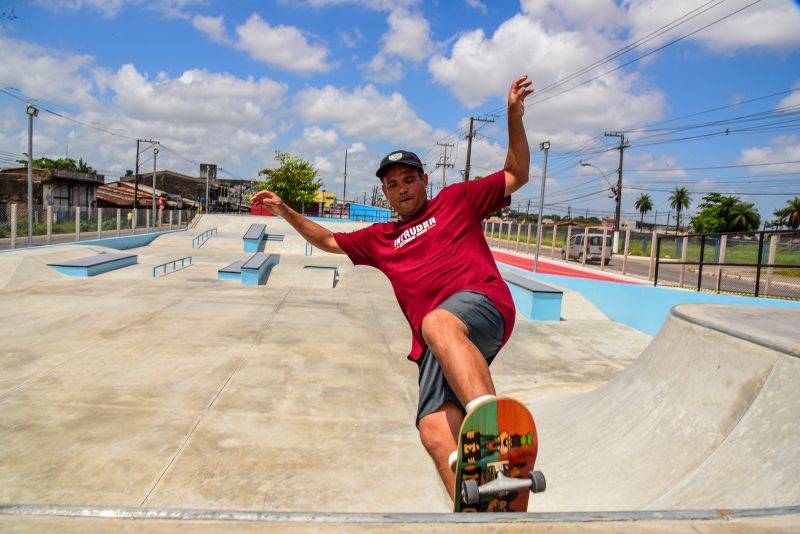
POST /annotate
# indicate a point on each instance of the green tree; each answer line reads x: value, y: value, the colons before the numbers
x: 744, y: 217
x: 790, y: 215
x: 679, y: 201
x: 295, y: 180
x: 67, y: 164
x: 720, y: 213
x: 644, y: 204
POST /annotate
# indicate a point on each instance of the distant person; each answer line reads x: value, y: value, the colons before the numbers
x: 444, y: 277
x: 130, y: 219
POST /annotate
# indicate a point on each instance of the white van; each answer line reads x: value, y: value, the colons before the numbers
x: 594, y: 251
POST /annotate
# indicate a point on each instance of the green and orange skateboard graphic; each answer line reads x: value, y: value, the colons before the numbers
x: 497, y: 448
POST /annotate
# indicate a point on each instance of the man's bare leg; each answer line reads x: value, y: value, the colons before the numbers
x: 467, y: 372
x: 464, y: 366
x: 438, y: 432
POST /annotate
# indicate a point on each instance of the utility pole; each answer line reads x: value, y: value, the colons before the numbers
x: 136, y: 185
x: 443, y: 163
x: 546, y: 147
x: 32, y: 112
x: 622, y: 146
x: 153, y: 201
x: 470, y: 136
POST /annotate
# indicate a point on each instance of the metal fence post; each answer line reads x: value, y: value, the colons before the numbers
x: 519, y: 230
x: 99, y: 223
x: 119, y: 222
x: 508, y: 241
x: 77, y: 223
x: 49, y: 224
x: 553, y: 241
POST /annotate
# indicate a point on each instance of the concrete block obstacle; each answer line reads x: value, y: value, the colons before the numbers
x: 533, y: 299
x: 254, y: 237
x: 93, y: 265
x: 250, y: 272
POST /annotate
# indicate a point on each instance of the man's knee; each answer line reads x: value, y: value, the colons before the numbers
x: 441, y: 322
x: 438, y: 431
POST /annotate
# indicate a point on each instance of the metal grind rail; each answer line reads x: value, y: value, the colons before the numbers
x: 173, y: 265
x: 198, y: 241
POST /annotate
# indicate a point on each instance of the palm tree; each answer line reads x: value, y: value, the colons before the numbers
x: 644, y: 205
x: 679, y: 200
x: 743, y: 217
x: 790, y: 215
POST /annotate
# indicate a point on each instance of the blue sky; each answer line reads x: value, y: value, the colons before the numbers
x: 230, y: 82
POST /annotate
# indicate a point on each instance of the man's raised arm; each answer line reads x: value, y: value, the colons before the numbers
x: 317, y: 235
x: 518, y: 159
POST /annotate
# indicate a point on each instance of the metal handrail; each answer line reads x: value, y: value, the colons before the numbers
x: 202, y: 238
x: 174, y: 264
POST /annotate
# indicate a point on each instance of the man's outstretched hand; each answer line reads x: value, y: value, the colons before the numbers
x: 270, y: 200
x: 516, y: 96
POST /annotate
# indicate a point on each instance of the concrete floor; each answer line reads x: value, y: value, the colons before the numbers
x: 184, y: 391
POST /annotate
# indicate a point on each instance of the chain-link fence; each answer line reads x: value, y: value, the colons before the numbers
x: 765, y: 264
x: 61, y: 224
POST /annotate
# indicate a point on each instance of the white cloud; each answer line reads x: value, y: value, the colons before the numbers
x: 197, y: 97
x: 375, y: 5
x: 769, y: 24
x: 407, y: 40
x: 284, y: 47
x: 352, y: 38
x: 575, y: 14
x: 477, y: 4
x: 381, y: 70
x: 316, y: 137
x: 779, y: 149
x: 408, y: 36
x: 792, y: 99
x: 213, y: 27
x: 365, y: 114
x: 32, y: 69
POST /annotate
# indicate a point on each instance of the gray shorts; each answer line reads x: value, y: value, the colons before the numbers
x: 486, y: 328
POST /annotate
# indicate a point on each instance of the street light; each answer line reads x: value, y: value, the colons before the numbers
x: 545, y: 145
x: 153, y: 201
x: 616, y: 195
x: 32, y: 112
x: 613, y: 189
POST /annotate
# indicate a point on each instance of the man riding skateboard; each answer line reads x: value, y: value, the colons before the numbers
x: 443, y: 275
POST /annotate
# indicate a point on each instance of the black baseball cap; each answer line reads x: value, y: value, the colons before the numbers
x: 399, y: 156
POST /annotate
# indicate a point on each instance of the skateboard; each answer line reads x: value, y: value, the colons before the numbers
x: 497, y: 448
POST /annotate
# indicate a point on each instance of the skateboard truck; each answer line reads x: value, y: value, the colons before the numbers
x: 500, y: 483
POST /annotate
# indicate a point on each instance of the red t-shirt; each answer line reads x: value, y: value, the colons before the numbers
x: 440, y: 251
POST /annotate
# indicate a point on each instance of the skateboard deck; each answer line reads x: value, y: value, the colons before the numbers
x: 497, y: 448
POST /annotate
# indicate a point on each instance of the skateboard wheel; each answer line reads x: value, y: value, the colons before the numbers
x: 469, y: 491
x: 538, y: 483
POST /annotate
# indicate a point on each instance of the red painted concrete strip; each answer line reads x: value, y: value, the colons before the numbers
x: 546, y: 267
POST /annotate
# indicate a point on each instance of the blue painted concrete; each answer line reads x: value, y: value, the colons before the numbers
x: 94, y: 265
x: 125, y: 242
x: 644, y: 307
x: 253, y: 275
x: 536, y: 306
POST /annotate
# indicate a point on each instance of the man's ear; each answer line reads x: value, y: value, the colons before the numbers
x: 383, y: 188
x: 425, y: 179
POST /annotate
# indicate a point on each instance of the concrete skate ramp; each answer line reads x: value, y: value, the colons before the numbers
x: 707, y: 417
